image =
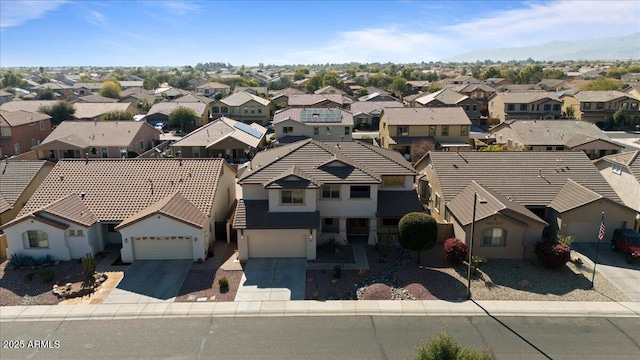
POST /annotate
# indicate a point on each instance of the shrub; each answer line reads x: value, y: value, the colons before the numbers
x: 48, y: 259
x: 330, y: 245
x: 46, y: 276
x: 30, y: 276
x: 223, y: 282
x: 21, y: 260
x: 88, y: 264
x: 337, y: 271
x: 418, y: 232
x: 445, y: 347
x: 455, y: 251
x: 384, y: 245
x: 567, y: 240
x: 552, y: 254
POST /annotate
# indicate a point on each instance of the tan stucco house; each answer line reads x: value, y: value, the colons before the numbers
x: 622, y: 172
x: 599, y: 106
x: 244, y: 107
x: 325, y: 124
x: 524, y: 105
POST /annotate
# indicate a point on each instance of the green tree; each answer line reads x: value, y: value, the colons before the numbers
x: 418, y: 232
x: 182, y: 117
x: 59, y: 112
x: 9, y: 79
x: 150, y: 84
x: 332, y: 79
x: 618, y: 117
x: 553, y: 74
x: 443, y: 346
x: 433, y: 88
x: 143, y: 105
x: 111, y: 89
x: 398, y: 86
x: 476, y: 71
x: 117, y: 115
x: 568, y: 113
x: 362, y: 92
x: 492, y: 72
x: 314, y: 83
x: 531, y: 74
x: 602, y: 84
x: 46, y: 94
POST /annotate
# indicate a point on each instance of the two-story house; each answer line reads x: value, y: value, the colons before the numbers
x: 61, y: 89
x: 98, y: 139
x: 449, y: 98
x: 366, y: 114
x: 244, y: 107
x: 153, y: 209
x: 404, y: 129
x: 317, y: 100
x: 326, y: 124
x: 300, y: 195
x: 478, y: 92
x: 599, y: 106
x: 622, y: 172
x: 160, y: 112
x: 555, y: 135
x: 213, y: 88
x: 21, y: 130
x: 524, y: 105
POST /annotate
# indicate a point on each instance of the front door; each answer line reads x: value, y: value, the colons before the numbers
x: 359, y: 226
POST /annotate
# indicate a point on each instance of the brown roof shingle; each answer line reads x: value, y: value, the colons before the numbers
x: 174, y: 206
x: 255, y: 214
x: 395, y: 204
x: 427, y: 116
x: 15, y: 176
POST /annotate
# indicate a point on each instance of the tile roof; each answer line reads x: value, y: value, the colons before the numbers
x: 526, y: 97
x: 88, y: 85
x: 167, y: 107
x: 53, y: 86
x: 445, y: 96
x: 116, y: 189
x: 15, y: 176
x: 31, y: 106
x: 427, y: 116
x: 553, y: 132
x: 473, y: 87
x: 93, y: 110
x: 175, y: 206
x: 571, y: 196
x: 96, y: 98
x: 220, y: 129
x: 214, y: 85
x: 255, y: 214
x: 355, y: 162
x: 17, y: 118
x: 369, y: 107
x: 70, y: 208
x: 84, y: 134
x: 530, y: 178
x: 397, y: 203
x: 242, y: 97
x: 334, y: 116
x: 314, y: 99
x: 286, y: 92
x: 601, y: 96
x: 461, y: 206
x: 629, y: 159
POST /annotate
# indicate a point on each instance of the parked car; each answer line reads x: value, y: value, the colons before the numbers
x: 627, y: 241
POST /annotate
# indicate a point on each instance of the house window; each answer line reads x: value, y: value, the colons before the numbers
x: 494, y: 237
x: 196, y: 151
x: 549, y: 148
x: 259, y: 110
x: 105, y: 153
x: 634, y: 105
x: 331, y: 225
x: 402, y: 131
x: 246, y: 110
x: 600, y: 106
x: 41, y: 124
x: 33, y: 142
x: 347, y: 130
x: 523, y: 107
x: 447, y: 214
x: 5, y: 131
x: 437, y: 202
x: 586, y: 105
x: 424, y: 190
x: 35, y: 239
x: 216, y: 110
x: 393, y: 180
x: 287, y: 129
x: 511, y: 107
x: 467, y: 107
x: 141, y: 144
x: 475, y: 107
x: 445, y: 130
x: 16, y: 148
x: 390, y: 222
x: 253, y: 110
x: 625, y: 105
x: 616, y: 169
x: 547, y: 107
x: 292, y: 196
x: 464, y: 130
x: 360, y: 192
x: 72, y: 232
x: 328, y: 130
x: 331, y: 191
x: 79, y: 232
x: 316, y: 131
x: 432, y: 130
x: 556, y: 107
x: 224, y: 110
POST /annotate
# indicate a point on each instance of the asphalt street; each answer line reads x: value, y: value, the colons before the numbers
x: 355, y: 337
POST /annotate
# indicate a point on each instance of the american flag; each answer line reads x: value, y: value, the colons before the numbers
x: 602, y: 232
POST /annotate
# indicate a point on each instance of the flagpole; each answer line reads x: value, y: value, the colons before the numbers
x: 601, y: 233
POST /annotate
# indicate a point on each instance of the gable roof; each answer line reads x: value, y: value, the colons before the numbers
x: 93, y: 110
x: 214, y: 85
x: 175, y: 206
x: 571, y: 196
x: 166, y: 108
x: 95, y: 133
x: 116, y: 189
x: 96, y: 98
x: 242, y: 97
x: 361, y: 163
x: 495, y: 204
x: 530, y: 178
x: 526, y: 97
x: 427, y: 116
x: 553, y: 132
x: 445, y: 96
x: 70, y: 208
x: 31, y: 106
x: 372, y: 107
x: 629, y: 159
x: 222, y: 128
x: 315, y: 116
x: 473, y: 87
x: 15, y: 176
x: 193, y: 98
x: 600, y: 96
x: 17, y: 118
x: 255, y: 214
x: 314, y: 99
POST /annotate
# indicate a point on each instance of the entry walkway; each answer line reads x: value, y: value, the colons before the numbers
x: 320, y: 308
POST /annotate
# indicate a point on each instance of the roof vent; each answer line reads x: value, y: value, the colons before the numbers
x: 82, y: 195
x: 61, y: 177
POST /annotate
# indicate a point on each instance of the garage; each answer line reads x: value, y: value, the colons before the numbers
x: 278, y: 246
x: 162, y: 247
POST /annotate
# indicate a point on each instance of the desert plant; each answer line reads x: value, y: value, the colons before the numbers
x: 443, y: 346
x: 21, y: 260
x: 567, y: 240
x: 330, y: 245
x: 223, y: 282
x: 552, y: 254
x: 337, y: 271
x: 46, y: 276
x: 476, y: 262
x: 88, y: 265
x: 455, y: 251
x: 384, y: 245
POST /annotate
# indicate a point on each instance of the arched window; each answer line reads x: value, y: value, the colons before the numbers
x: 494, y: 237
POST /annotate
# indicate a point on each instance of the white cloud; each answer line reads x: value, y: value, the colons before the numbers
x: 15, y: 13
x: 180, y: 7
x: 97, y: 18
x: 534, y: 24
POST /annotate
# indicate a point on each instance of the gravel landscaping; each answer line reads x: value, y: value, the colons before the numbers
x: 201, y: 284
x: 344, y: 255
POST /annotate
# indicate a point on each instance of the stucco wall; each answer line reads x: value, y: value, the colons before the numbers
x: 275, y: 205
x: 336, y: 133
x: 583, y: 223
x: 625, y: 184
x: 56, y: 236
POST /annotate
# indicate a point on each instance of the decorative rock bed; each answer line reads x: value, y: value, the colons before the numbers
x: 77, y: 285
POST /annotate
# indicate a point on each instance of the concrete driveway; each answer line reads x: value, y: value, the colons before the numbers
x: 149, y: 281
x: 613, y: 266
x: 273, y: 279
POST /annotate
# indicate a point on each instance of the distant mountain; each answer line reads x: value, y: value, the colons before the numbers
x: 612, y: 48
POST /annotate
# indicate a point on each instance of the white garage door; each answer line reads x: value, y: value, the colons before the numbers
x: 162, y: 247
x: 272, y: 246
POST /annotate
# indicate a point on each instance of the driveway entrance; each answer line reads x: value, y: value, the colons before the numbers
x: 149, y: 281
x: 273, y: 279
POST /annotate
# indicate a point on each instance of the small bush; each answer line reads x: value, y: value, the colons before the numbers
x: 89, y: 264
x: 384, y: 245
x: 48, y: 259
x: 337, y: 271
x: 46, y: 276
x: 330, y: 246
x: 445, y: 347
x: 455, y: 251
x: 18, y: 260
x: 30, y: 276
x: 567, y: 240
x: 223, y: 282
x: 552, y: 254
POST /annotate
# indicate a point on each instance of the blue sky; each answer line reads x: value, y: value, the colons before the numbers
x: 139, y: 33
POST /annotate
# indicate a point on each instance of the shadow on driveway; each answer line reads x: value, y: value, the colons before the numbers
x: 273, y: 279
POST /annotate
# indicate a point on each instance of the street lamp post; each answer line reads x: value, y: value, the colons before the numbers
x: 473, y: 228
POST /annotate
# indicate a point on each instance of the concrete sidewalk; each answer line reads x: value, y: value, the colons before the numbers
x: 319, y: 308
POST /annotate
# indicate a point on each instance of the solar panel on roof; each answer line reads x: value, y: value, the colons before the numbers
x: 321, y: 116
x: 248, y: 129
